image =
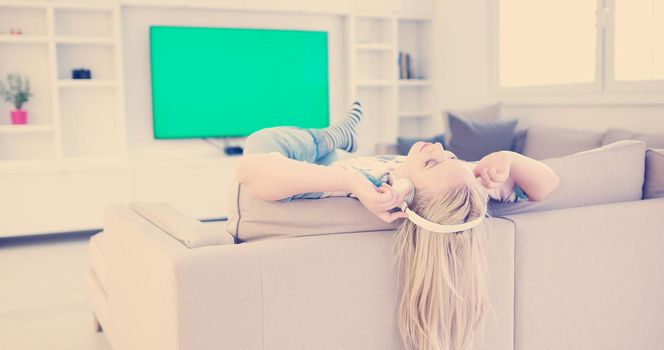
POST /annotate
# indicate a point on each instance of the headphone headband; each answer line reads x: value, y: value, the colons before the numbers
x: 406, y: 185
x: 439, y: 228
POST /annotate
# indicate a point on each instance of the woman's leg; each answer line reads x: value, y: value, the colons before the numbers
x: 294, y: 143
x: 307, y: 145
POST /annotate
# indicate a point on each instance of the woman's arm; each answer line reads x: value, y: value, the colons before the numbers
x: 535, y: 178
x: 271, y: 176
x: 504, y: 168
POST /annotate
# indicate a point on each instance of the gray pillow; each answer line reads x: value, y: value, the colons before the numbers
x: 612, y: 173
x: 518, y: 140
x: 653, y: 186
x: 617, y: 134
x: 483, y: 113
x: 472, y: 140
x: 404, y: 144
x: 549, y: 142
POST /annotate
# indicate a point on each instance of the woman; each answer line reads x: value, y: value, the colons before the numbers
x: 441, y: 245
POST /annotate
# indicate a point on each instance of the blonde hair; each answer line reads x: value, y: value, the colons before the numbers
x: 444, y: 275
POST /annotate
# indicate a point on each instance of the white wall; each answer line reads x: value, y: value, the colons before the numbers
x: 136, y: 22
x: 464, y: 59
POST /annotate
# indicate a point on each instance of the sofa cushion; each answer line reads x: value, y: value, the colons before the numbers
x: 653, y: 185
x: 471, y: 140
x: 250, y: 218
x: 189, y: 231
x: 612, y: 173
x: 617, y: 134
x: 548, y: 142
x: 98, y: 259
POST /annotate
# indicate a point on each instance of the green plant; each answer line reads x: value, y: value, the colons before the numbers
x: 17, y: 90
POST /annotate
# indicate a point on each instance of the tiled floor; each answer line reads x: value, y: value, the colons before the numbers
x: 43, y: 301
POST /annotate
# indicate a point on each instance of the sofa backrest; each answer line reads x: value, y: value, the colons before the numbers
x: 543, y: 142
x: 612, y: 173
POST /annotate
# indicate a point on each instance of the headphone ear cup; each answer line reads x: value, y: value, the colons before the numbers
x: 402, y: 185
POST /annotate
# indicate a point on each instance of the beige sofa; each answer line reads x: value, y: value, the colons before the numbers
x: 581, y: 271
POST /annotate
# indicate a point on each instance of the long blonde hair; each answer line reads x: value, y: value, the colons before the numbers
x: 443, y: 276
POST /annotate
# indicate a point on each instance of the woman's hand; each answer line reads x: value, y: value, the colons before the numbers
x: 494, y: 169
x: 379, y: 200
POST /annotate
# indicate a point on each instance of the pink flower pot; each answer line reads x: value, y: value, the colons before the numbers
x: 19, y: 116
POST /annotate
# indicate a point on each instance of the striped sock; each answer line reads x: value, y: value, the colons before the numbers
x: 342, y: 134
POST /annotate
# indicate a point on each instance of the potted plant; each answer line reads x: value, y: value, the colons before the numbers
x: 17, y: 92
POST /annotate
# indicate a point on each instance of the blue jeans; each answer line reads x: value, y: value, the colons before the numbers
x: 305, y: 145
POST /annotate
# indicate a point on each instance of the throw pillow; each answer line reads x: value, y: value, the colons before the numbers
x: 471, y: 140
x: 653, y: 186
x: 486, y: 113
x: 518, y: 140
x: 404, y: 144
x: 549, y: 142
x: 612, y: 173
x: 617, y: 134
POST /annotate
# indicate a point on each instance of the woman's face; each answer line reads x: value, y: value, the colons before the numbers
x: 432, y: 168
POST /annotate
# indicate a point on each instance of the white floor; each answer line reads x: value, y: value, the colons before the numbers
x: 42, y: 295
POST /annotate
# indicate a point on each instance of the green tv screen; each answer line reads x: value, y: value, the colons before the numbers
x: 226, y: 82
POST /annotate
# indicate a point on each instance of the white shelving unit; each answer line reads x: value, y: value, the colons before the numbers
x: 56, y: 38
x: 62, y: 170
x: 394, y: 107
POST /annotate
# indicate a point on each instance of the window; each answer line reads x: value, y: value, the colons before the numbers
x: 579, y: 45
x: 639, y: 40
x: 547, y: 42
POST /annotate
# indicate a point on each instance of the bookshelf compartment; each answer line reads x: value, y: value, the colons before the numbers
x: 83, y: 22
x: 375, y: 65
x: 28, y: 61
x: 31, y: 20
x: 414, y: 100
x: 20, y: 146
x: 379, y: 122
x: 414, y: 39
x: 89, y: 129
x: 97, y: 58
x: 410, y: 128
x: 374, y: 30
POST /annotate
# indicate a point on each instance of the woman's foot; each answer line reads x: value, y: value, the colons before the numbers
x: 342, y: 134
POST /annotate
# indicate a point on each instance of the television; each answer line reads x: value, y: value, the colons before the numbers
x: 230, y: 82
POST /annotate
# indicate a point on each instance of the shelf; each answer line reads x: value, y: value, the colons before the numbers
x: 374, y: 46
x: 66, y: 83
x: 23, y: 39
x: 81, y: 40
x: 374, y: 83
x: 415, y: 114
x: 414, y: 82
x: 27, y: 128
x: 88, y: 22
x: 22, y: 5
x: 414, y: 17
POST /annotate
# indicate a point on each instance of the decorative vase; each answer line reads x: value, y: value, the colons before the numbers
x: 19, y: 116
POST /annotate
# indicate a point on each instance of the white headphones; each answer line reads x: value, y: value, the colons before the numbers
x: 404, y: 185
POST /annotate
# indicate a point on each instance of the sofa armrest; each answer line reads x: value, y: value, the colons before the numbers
x: 189, y: 231
x: 163, y: 295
